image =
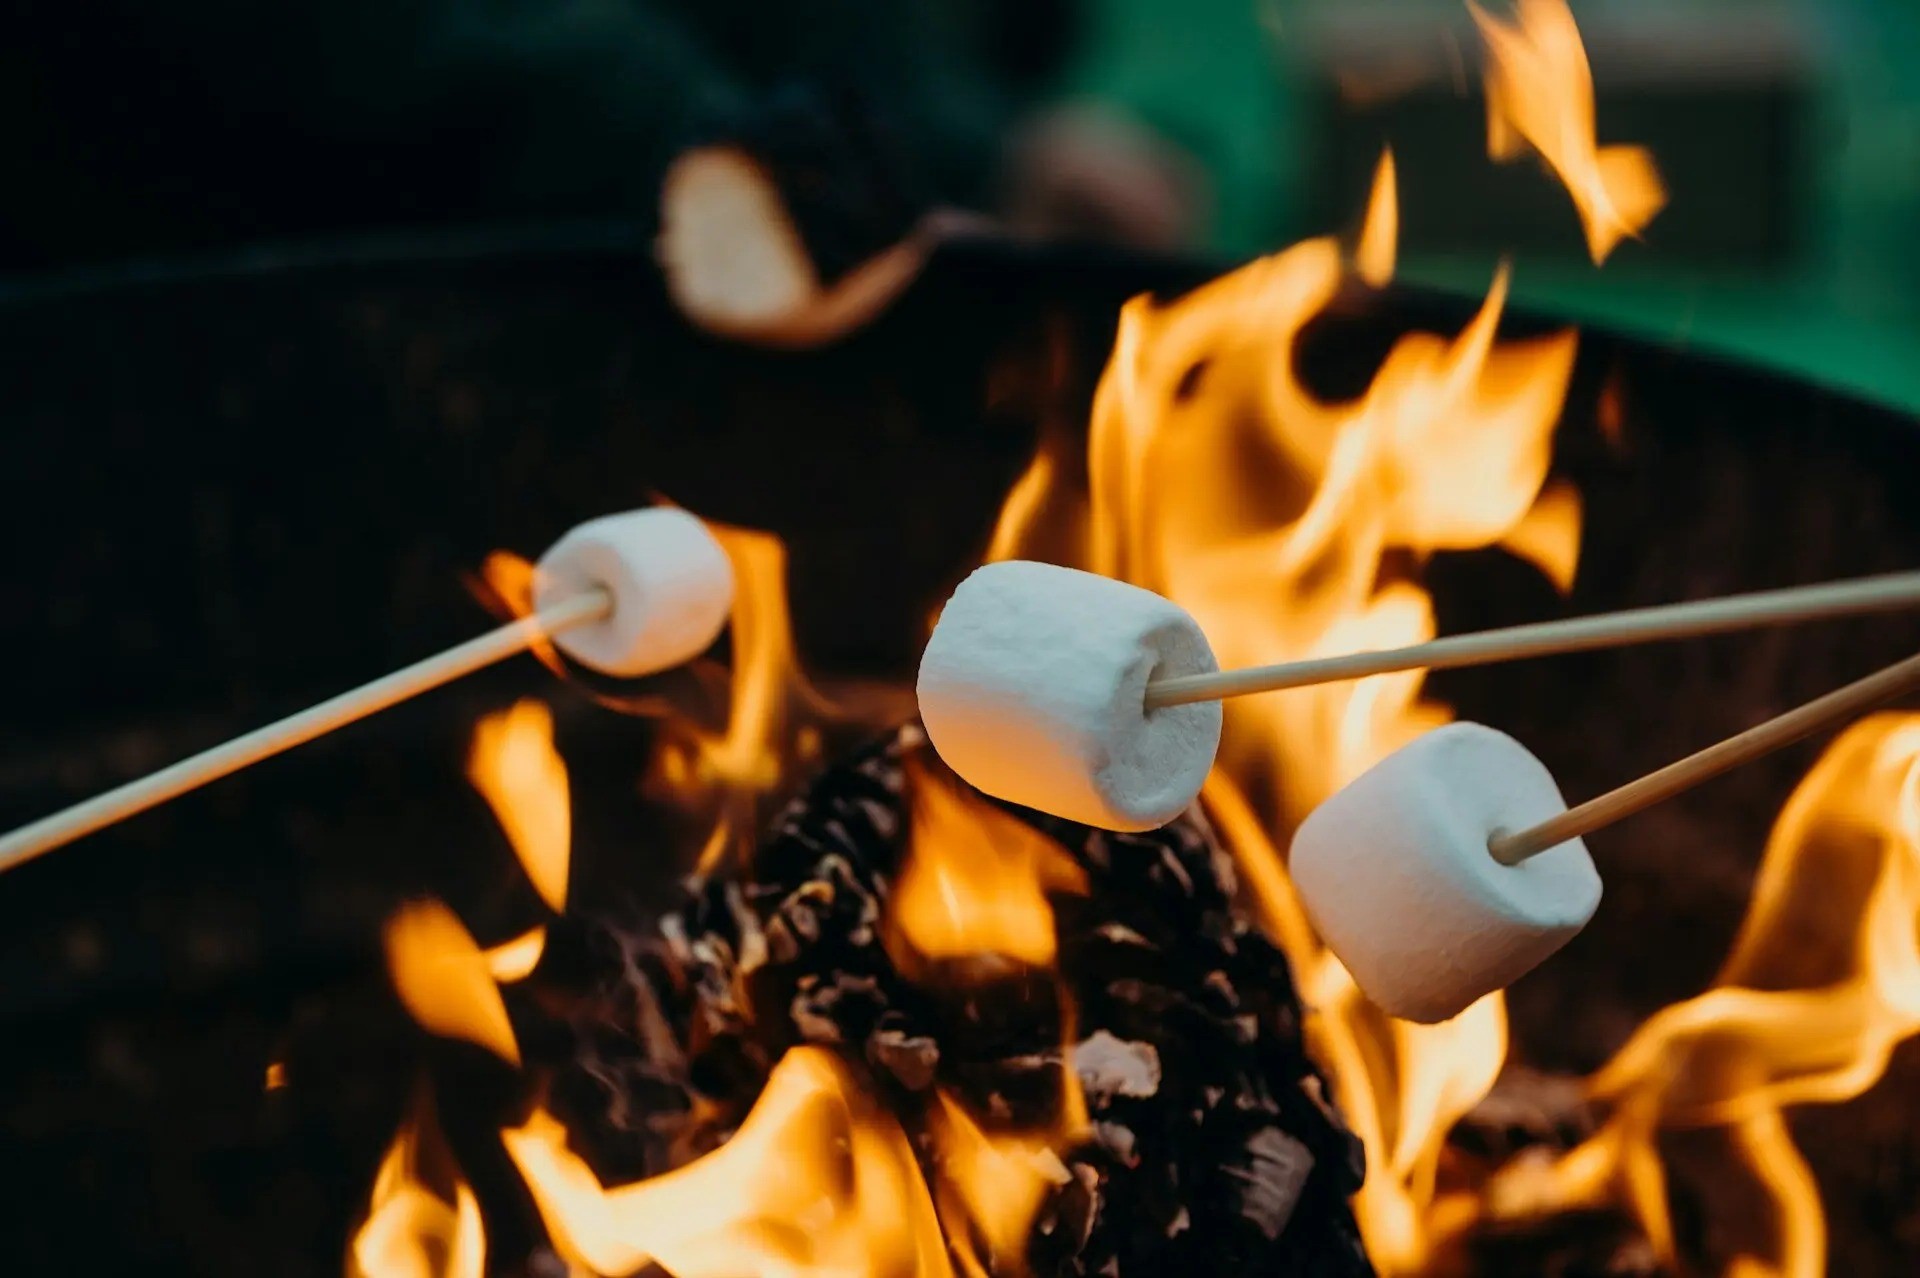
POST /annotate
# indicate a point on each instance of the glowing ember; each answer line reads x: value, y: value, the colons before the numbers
x: 817, y: 1181
x: 1540, y: 94
x: 976, y: 880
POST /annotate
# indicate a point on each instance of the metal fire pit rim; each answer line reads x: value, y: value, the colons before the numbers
x: 624, y: 247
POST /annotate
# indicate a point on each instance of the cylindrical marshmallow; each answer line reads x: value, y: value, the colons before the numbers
x: 1395, y: 873
x: 1033, y: 688
x: 737, y: 265
x: 731, y: 252
x: 671, y: 584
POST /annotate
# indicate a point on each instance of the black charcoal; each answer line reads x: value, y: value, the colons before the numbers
x: 1213, y: 1150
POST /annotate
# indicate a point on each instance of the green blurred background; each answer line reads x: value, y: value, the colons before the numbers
x: 1802, y: 250
x: 1789, y: 133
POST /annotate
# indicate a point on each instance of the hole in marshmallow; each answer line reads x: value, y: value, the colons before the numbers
x: 1153, y: 674
x: 1503, y: 832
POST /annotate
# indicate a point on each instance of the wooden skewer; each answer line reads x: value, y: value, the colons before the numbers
x: 1774, y: 607
x: 1887, y: 593
x: 296, y: 729
x: 1784, y: 730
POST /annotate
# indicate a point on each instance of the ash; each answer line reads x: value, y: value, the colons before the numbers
x: 1214, y: 1148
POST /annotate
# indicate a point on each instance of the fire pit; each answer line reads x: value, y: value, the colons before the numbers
x: 243, y: 925
x: 428, y: 998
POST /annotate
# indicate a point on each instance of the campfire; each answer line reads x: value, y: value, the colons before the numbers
x: 1290, y: 526
x: 896, y: 1026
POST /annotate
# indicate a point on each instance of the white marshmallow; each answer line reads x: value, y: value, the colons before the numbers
x: 672, y: 588
x: 1394, y: 870
x: 737, y: 266
x: 1033, y: 688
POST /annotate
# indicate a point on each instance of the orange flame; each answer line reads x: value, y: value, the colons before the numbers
x: 1548, y: 535
x: 412, y: 1231
x: 515, y: 960
x: 505, y: 584
x: 1289, y: 526
x: 1822, y: 983
x: 444, y: 980
x: 1293, y: 527
x: 515, y: 767
x: 774, y: 717
x: 450, y: 986
x: 1277, y: 520
x: 772, y: 721
x: 1380, y: 233
x: 817, y: 1181
x: 1401, y: 1086
x: 1540, y: 93
x: 990, y: 1186
x: 975, y: 880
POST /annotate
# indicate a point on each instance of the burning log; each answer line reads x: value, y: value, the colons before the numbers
x: 1206, y: 1140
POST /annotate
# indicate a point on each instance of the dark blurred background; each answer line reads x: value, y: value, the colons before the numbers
x: 1789, y: 133
x: 232, y: 492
